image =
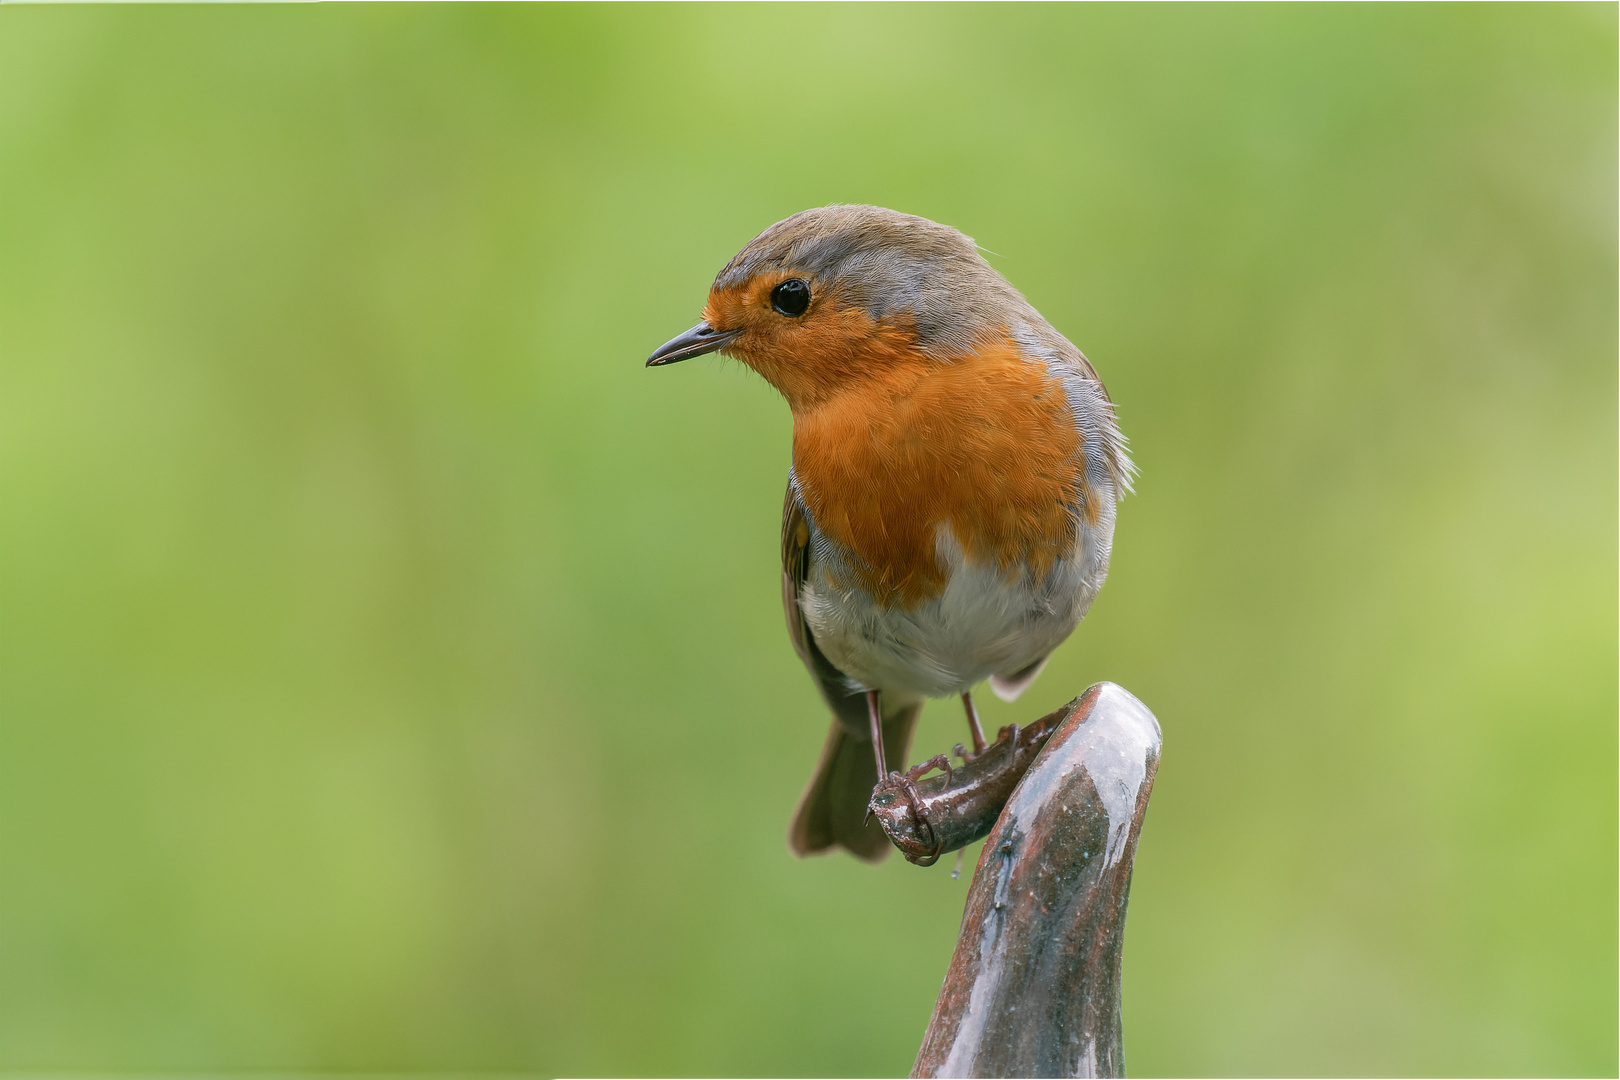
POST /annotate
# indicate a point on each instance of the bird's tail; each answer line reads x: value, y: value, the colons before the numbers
x: 832, y: 810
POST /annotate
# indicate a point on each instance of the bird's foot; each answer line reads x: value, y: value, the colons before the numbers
x: 907, y: 783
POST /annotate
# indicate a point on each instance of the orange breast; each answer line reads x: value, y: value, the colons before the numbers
x: 986, y: 443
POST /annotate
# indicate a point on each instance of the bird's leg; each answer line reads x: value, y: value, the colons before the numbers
x: 876, y: 716
x: 973, y: 723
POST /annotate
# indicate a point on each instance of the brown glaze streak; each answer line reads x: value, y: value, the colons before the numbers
x: 984, y: 442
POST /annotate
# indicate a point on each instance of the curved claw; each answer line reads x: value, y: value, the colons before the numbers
x: 907, y: 782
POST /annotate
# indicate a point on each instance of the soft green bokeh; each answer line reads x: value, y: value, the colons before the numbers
x: 393, y: 669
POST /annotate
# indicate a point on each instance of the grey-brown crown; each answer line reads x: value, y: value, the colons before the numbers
x: 890, y: 263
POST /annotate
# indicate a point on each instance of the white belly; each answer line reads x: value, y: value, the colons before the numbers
x: 984, y: 623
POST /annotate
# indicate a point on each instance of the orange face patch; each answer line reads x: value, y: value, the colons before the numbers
x: 815, y: 356
x: 985, y: 443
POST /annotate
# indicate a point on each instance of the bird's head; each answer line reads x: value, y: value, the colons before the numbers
x: 826, y: 299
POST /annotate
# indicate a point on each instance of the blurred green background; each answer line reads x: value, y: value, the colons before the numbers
x: 393, y: 670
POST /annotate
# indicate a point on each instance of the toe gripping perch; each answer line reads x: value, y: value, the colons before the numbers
x: 925, y: 818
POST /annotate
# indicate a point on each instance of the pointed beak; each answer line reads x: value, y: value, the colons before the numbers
x: 701, y: 339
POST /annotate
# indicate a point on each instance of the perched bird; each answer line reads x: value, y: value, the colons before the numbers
x: 956, y: 464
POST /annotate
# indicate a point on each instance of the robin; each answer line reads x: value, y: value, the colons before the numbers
x: 956, y: 465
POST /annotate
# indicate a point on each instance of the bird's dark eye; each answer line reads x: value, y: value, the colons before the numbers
x: 792, y: 297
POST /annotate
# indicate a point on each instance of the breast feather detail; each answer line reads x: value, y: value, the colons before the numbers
x: 985, y: 446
